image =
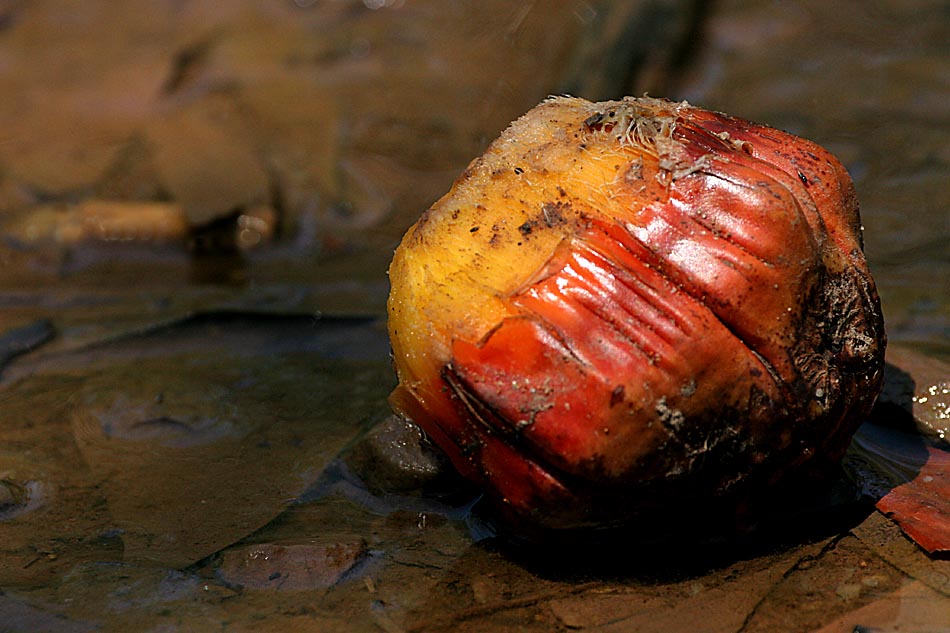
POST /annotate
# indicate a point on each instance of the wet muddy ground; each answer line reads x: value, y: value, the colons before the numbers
x: 198, y: 203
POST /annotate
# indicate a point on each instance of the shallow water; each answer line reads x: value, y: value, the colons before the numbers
x: 184, y: 376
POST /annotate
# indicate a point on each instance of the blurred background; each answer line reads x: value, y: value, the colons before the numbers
x: 198, y: 203
x: 164, y: 157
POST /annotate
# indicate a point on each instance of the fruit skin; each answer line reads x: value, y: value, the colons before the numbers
x: 635, y: 308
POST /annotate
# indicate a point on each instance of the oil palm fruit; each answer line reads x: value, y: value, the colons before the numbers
x: 636, y: 307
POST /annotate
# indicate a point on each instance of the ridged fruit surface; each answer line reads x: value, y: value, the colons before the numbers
x: 636, y: 306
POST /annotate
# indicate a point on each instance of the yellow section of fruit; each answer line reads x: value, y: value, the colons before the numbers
x: 501, y: 223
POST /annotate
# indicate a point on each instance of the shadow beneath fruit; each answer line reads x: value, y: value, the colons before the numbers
x: 891, y: 465
x: 693, y: 546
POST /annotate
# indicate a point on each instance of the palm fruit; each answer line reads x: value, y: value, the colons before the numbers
x: 636, y: 307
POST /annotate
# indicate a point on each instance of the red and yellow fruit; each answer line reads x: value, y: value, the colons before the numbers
x: 633, y: 305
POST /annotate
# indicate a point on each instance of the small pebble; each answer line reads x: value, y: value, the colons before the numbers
x: 296, y: 567
x: 397, y: 457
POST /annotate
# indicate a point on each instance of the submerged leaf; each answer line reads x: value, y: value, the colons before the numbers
x: 189, y: 436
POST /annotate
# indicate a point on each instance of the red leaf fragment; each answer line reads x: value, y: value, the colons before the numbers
x: 921, y: 507
x: 920, y: 502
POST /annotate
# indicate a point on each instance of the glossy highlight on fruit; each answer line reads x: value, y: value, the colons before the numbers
x: 636, y: 306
